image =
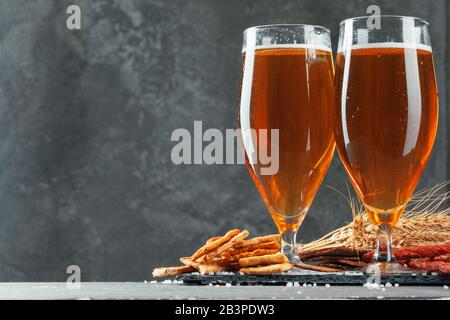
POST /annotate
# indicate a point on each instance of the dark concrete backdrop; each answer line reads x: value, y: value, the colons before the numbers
x: 86, y: 118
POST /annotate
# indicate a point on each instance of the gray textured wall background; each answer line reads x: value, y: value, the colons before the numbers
x: 86, y: 118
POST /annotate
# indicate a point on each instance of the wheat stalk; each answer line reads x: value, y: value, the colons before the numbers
x: 424, y: 222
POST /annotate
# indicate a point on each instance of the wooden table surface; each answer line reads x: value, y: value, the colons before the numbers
x: 142, y: 290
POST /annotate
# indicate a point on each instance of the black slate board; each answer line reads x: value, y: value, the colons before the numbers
x: 311, y: 277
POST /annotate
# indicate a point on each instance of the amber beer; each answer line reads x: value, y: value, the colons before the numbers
x: 387, y: 114
x: 291, y: 90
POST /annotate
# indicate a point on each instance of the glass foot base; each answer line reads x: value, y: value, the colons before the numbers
x: 288, y: 246
x: 292, y: 257
x: 385, y: 268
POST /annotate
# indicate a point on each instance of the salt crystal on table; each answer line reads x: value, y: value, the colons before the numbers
x: 396, y: 285
x: 304, y: 285
x: 445, y: 287
x: 434, y: 273
x: 289, y: 284
x: 327, y: 285
x: 296, y: 284
x: 167, y: 281
x: 373, y: 285
x: 153, y: 281
x: 228, y: 285
x: 314, y: 284
x: 388, y: 285
x: 210, y: 284
x: 424, y: 274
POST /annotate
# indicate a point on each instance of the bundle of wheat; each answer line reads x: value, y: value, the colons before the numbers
x: 425, y: 222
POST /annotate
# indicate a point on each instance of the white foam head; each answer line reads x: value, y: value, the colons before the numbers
x: 401, y: 45
x: 287, y: 46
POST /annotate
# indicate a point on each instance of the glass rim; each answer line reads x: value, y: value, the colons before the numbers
x: 425, y: 22
x: 279, y: 25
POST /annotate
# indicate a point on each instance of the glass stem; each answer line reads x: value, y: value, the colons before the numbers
x: 383, y: 252
x: 288, y: 244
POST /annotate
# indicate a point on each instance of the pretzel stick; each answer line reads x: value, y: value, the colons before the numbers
x: 225, y: 246
x: 269, y: 259
x: 215, y: 244
x: 171, y: 271
x: 274, y: 268
x: 258, y: 240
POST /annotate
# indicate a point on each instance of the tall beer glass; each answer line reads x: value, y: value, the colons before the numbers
x: 386, y: 116
x: 287, y: 85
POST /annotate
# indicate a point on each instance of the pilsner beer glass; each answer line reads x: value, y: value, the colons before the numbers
x: 386, y: 117
x: 286, y: 94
